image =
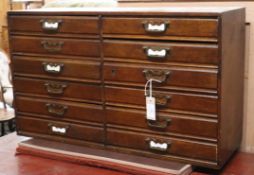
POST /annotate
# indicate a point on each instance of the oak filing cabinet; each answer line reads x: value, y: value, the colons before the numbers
x: 79, y: 78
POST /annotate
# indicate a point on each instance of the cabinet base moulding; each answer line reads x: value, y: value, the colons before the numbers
x: 101, y: 158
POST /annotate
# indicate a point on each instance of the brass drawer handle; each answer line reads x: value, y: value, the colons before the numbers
x: 159, y: 124
x: 52, y: 46
x: 155, y: 145
x: 54, y: 68
x: 55, y: 88
x: 56, y: 109
x: 162, y: 100
x: 58, y: 130
x: 159, y: 75
x: 155, y: 27
x: 51, y: 25
x: 156, y: 52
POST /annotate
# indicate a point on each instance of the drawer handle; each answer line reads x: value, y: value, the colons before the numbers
x: 156, y: 52
x: 159, y: 75
x: 56, y: 109
x: 162, y: 100
x: 155, y: 27
x: 50, y: 25
x: 54, y: 68
x: 157, y: 146
x: 159, y: 124
x: 58, y: 130
x: 52, y: 46
x: 55, y: 88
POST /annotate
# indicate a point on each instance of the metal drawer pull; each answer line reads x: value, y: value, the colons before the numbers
x: 58, y: 130
x: 50, y: 25
x: 155, y: 27
x: 159, y: 124
x: 53, y: 67
x: 162, y: 100
x: 156, y: 52
x: 56, y: 109
x: 55, y: 88
x: 158, y: 146
x: 52, y: 46
x: 160, y: 75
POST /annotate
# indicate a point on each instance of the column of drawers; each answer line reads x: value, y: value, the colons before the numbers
x: 57, y: 77
x: 166, y: 49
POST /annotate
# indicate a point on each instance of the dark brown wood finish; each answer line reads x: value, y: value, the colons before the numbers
x: 165, y: 124
x: 87, y: 70
x: 177, y: 52
x: 67, y: 25
x: 59, y: 89
x: 175, y: 147
x: 38, y: 45
x: 165, y: 101
x: 59, y: 110
x: 64, y: 69
x: 60, y: 129
x: 174, y: 26
x: 169, y: 76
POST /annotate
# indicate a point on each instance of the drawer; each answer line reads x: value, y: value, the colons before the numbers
x: 165, y: 123
x: 53, y: 46
x: 161, y: 52
x: 60, y: 129
x: 58, y: 89
x: 169, y: 76
x: 159, y: 27
x: 54, y: 24
x: 165, y: 101
x: 56, y: 68
x: 162, y: 145
x: 60, y: 110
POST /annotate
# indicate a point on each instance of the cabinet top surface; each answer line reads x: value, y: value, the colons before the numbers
x: 130, y: 10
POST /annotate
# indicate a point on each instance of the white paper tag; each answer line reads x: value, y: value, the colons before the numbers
x: 150, y: 108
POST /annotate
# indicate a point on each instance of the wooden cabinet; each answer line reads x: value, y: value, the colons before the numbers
x: 79, y: 77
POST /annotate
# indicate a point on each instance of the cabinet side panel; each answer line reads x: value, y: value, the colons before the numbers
x: 232, y: 77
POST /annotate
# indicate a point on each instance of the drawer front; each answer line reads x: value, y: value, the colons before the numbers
x: 61, y: 129
x: 39, y: 45
x: 165, y: 101
x: 161, y: 26
x: 54, y: 24
x: 170, y: 76
x: 164, y: 123
x: 158, y: 52
x: 60, y: 110
x: 58, y: 89
x: 56, y: 68
x: 162, y: 145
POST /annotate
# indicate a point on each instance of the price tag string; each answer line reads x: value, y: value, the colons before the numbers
x: 150, y: 82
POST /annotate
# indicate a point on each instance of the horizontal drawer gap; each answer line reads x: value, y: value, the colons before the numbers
x: 61, y: 98
x: 192, y: 117
x: 39, y: 34
x: 177, y: 158
x: 172, y: 138
x: 162, y: 67
x: 58, y: 119
x: 158, y: 42
x: 170, y: 64
x: 60, y: 139
x: 165, y: 38
x: 58, y: 78
x: 169, y: 111
x: 163, y: 133
x: 165, y: 89
x: 57, y: 56
x: 189, y: 94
